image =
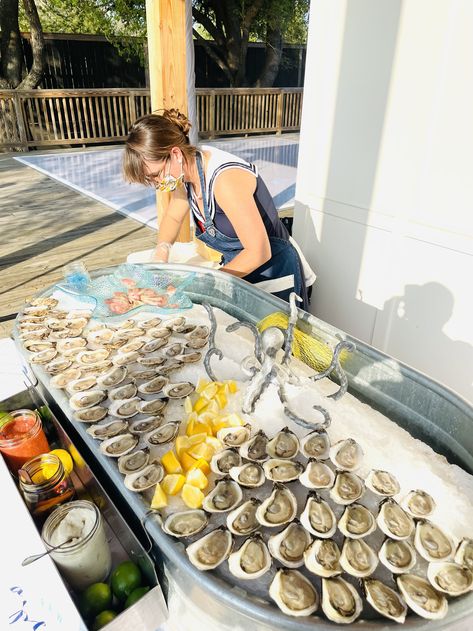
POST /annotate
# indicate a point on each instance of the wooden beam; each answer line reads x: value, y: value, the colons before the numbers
x: 166, y: 24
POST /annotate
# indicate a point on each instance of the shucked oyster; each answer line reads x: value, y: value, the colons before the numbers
x: 357, y: 522
x: 432, y: 543
x: 154, y: 386
x: 132, y: 462
x: 178, y: 390
x: 125, y: 408
x: 107, y: 430
x: 225, y: 496
x: 285, y: 444
x: 112, y: 377
x: 394, y: 521
x: 127, y: 391
x: 384, y: 600
x: 419, y: 504
x: 81, y: 384
x: 358, y: 558
x: 288, y: 546
x: 382, y: 483
x: 278, y: 509
x: 248, y: 475
x: 450, y: 578
x: 185, y: 523
x: 293, y: 593
x: 318, y: 518
x: 118, y: 445
x: 233, y: 436
x: 252, y: 560
x: 163, y: 434
x: 322, y: 558
x: 208, y: 552
x: 421, y: 597
x: 341, y: 602
x: 146, y: 478
x: 223, y: 461
x: 155, y: 406
x: 82, y: 400
x: 255, y: 447
x: 145, y: 425
x: 91, y: 415
x: 282, y: 470
x: 316, y: 445
x: 398, y: 556
x: 464, y: 553
x: 317, y: 475
x: 348, y: 488
x: 346, y: 454
x: 63, y: 378
x: 242, y: 520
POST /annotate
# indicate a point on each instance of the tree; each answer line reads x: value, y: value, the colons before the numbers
x: 11, y: 57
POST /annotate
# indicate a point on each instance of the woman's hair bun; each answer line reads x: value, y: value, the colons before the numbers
x: 179, y: 119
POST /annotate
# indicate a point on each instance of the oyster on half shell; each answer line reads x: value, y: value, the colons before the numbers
x: 382, y: 483
x: 127, y: 391
x: 278, y: 509
x: 185, y: 523
x: 233, y: 436
x: 118, y: 445
x: 87, y: 399
x: 107, y: 430
x: 432, y: 543
x: 419, y: 504
x: 212, y: 549
x: 164, y: 434
x: 394, y: 521
x: 125, y: 408
x: 279, y: 470
x: 155, y: 406
x: 154, y: 386
x: 225, y: 496
x: 289, y: 545
x: 346, y: 454
x: 178, y: 390
x: 145, y: 478
x: 341, y: 603
x: 223, y: 461
x: 132, y: 462
x: 358, y: 558
x: 317, y: 475
x: 322, y: 558
x: 318, y: 518
x: 398, y: 556
x: 255, y: 447
x: 248, y: 475
x: 421, y: 597
x: 251, y: 560
x: 357, y: 522
x: 145, y: 425
x: 464, y: 553
x: 242, y: 520
x: 293, y: 593
x: 348, y: 488
x: 385, y: 600
x: 284, y: 444
x: 91, y: 415
x: 450, y: 578
x: 112, y: 377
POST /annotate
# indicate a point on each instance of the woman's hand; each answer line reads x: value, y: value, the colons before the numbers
x: 170, y: 225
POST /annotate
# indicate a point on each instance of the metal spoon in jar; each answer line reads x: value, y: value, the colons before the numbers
x: 35, y: 557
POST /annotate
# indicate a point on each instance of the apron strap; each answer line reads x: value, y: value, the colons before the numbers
x: 200, y: 169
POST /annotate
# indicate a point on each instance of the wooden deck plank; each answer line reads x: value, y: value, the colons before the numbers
x: 44, y: 225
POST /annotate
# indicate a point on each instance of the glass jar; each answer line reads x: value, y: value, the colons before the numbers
x: 44, y: 484
x: 87, y: 558
x: 21, y: 438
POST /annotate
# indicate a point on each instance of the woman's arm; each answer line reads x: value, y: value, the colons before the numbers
x: 234, y: 190
x: 171, y: 224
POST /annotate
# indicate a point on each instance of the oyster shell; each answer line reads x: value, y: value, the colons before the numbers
x: 248, y: 475
x: 43, y: 357
x: 125, y: 408
x: 81, y: 384
x: 225, y: 496
x: 293, y: 593
x: 170, y: 366
x: 159, y: 333
x: 242, y: 520
x: 150, y: 323
x: 143, y: 375
x: 289, y: 545
x: 199, y: 332
x: 251, y: 560
x: 178, y: 390
x: 318, y: 518
x: 145, y: 478
x: 153, y: 407
x: 421, y: 597
x: 37, y: 345
x: 357, y: 522
x: 123, y: 359
x: 223, y: 461
x: 317, y: 475
x: 122, y: 393
x: 118, y: 445
x: 316, y: 445
x: 189, y: 357
x: 63, y: 378
x: 341, y: 602
x: 322, y: 558
x: 70, y: 344
x: 255, y: 447
x: 107, y: 430
x: 419, y: 504
x: 346, y: 454
x: 278, y: 509
x: 212, y: 549
x: 450, y: 578
x: 133, y: 345
x: 348, y: 488
x: 91, y: 358
x: 174, y: 323
x: 57, y: 365
x: 174, y: 349
x: 185, y: 523
x: 146, y: 425
x: 394, y: 521
x: 398, y: 556
x: 97, y: 369
x: 358, y: 558
x: 153, y: 346
x: 382, y: 483
x: 87, y: 399
x: 284, y: 444
x: 163, y: 434
x: 432, y: 543
x: 464, y: 553
x: 154, y: 386
x: 282, y: 470
x: 44, y: 301
x: 151, y: 362
x: 100, y: 337
x: 233, y: 436
x: 196, y: 343
x: 132, y: 462
x: 112, y: 377
x: 91, y: 415
x: 384, y: 600
x: 129, y: 333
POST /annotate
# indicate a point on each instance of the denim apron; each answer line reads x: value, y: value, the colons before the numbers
x: 280, y: 275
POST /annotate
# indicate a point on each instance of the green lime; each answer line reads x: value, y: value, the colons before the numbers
x: 103, y: 618
x: 125, y: 578
x: 135, y: 595
x: 95, y: 599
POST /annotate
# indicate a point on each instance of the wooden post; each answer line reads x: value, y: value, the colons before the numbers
x: 20, y: 121
x: 166, y: 24
x: 279, y: 112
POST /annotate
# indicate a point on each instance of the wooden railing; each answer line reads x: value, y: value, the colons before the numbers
x: 41, y: 118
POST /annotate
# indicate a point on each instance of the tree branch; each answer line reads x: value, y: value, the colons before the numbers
x: 209, y: 26
x: 211, y: 52
x: 34, y: 76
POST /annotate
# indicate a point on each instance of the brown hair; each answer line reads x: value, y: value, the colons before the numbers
x: 152, y: 137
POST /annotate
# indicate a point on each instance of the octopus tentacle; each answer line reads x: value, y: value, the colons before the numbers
x: 236, y: 325
x: 255, y: 389
x: 293, y: 298
x: 299, y: 420
x: 335, y: 366
x: 212, y: 350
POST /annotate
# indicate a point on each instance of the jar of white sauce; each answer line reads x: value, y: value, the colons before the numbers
x: 86, y: 558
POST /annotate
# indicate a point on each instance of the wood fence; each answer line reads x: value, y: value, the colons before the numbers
x: 41, y: 118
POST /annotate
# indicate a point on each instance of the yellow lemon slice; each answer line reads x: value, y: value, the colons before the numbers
x: 196, y: 477
x: 192, y: 496
x: 159, y: 498
x: 173, y: 483
x: 171, y: 463
x: 201, y: 464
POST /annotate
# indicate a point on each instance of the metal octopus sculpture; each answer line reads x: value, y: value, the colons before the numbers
x: 263, y: 367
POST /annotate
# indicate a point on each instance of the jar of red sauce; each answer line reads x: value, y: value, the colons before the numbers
x: 21, y: 438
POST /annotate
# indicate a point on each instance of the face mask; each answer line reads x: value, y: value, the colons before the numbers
x: 169, y: 183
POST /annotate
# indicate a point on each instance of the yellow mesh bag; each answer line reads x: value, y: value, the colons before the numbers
x: 309, y: 350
